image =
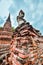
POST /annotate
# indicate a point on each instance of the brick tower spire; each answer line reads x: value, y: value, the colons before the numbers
x: 8, y: 19
x: 7, y: 25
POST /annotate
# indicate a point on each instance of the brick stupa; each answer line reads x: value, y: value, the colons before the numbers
x: 6, y: 32
x: 26, y: 46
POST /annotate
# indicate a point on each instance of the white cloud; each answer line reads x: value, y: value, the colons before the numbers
x: 4, y: 5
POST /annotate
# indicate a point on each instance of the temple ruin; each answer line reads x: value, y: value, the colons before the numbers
x: 26, y: 43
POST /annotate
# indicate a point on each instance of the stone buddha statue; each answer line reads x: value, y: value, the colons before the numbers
x: 20, y: 17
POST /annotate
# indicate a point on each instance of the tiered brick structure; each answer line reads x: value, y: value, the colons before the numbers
x: 5, y: 38
x: 6, y: 32
x: 27, y: 44
x: 26, y: 47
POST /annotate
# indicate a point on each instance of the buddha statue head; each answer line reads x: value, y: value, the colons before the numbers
x: 21, y: 14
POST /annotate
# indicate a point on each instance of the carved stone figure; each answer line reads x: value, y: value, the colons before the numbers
x: 20, y: 17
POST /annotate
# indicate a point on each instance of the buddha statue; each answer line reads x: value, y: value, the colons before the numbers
x: 20, y: 17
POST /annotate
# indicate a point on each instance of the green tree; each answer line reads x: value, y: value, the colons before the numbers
x: 13, y: 29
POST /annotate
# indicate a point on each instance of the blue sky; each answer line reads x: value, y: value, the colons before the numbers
x: 33, y: 12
